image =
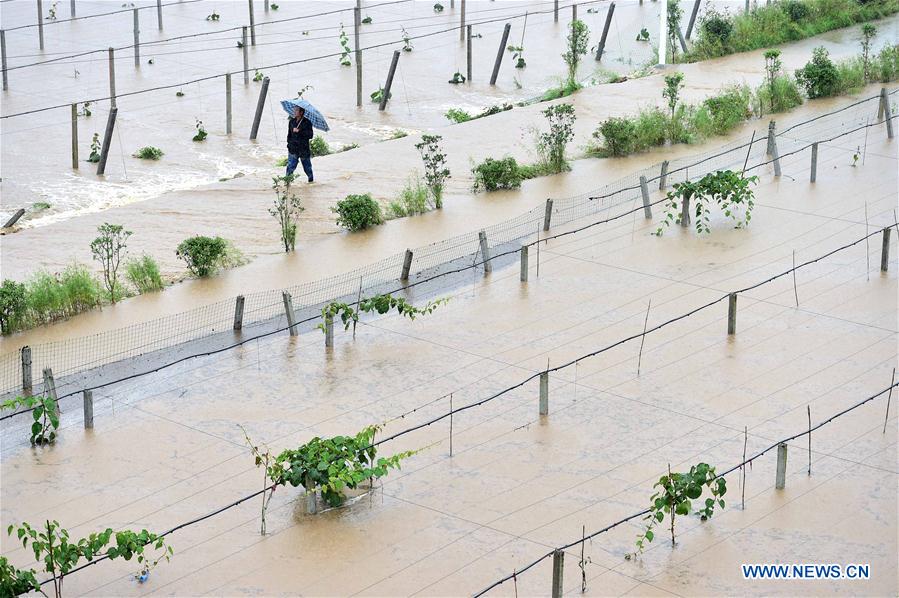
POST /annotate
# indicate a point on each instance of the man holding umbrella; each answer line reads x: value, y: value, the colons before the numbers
x: 303, y: 116
x: 299, y: 132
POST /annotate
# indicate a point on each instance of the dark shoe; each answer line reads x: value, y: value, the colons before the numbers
x: 310, y: 181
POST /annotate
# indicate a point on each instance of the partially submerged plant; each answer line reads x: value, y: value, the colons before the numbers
x: 344, y: 47
x: 214, y: 16
x: 258, y: 76
x: 45, y: 413
x: 491, y: 174
x: 201, y: 131
x: 869, y: 31
x: 85, y: 109
x: 110, y: 248
x: 674, y: 496
x: 380, y: 304
x: 95, y: 149
x: 365, y: 21
x: 265, y: 460
x: 358, y: 212
x: 377, y: 96
x: 286, y: 210
x: 578, y: 43
x: 674, y: 83
x: 204, y: 256
x: 551, y: 144
x: 434, y: 161
x: 457, y: 78
x: 407, y: 42
x: 148, y: 152
x: 643, y: 36
x: 438, y: 7
x: 727, y: 188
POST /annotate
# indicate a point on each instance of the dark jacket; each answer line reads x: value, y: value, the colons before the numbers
x: 298, y: 143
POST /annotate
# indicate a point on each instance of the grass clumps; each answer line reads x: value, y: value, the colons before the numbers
x: 414, y: 199
x: 143, y: 274
x: 358, y: 212
x: 319, y: 147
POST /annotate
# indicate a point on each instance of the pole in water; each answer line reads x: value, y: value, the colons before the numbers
x: 732, y: 313
x: 485, y: 251
x: 558, y: 566
x: 40, y: 23
x: 500, y: 53
x: 75, y: 136
x: 246, y: 57
x: 27, y: 388
x: 3, y: 59
x: 885, y: 251
x: 886, y: 418
x: 524, y: 263
x: 644, y: 191
x: 72, y: 7
x: 389, y: 83
x: 547, y: 214
x: 107, y: 141
x: 158, y: 13
x: 693, y: 17
x: 407, y: 265
x: 357, y: 23
x: 463, y: 28
x: 112, y: 77
x: 813, y: 173
x: 468, y: 50
x: 88, y: 409
x: 238, y: 313
x: 260, y: 104
x: 136, y: 38
x: 663, y: 178
x: 808, y: 409
x: 252, y: 25
x: 556, y: 11
x: 605, y: 32
x: 887, y: 111
x: 288, y: 311
x: 781, y: 480
x: 228, y: 103
x: 663, y: 31
x: 14, y: 218
x: 643, y: 337
x: 544, y: 393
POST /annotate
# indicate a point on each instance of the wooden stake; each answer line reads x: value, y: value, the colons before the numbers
x: 887, y: 111
x: 502, y: 49
x: 485, y: 251
x: 558, y: 556
x: 663, y: 177
x: 107, y: 141
x: 547, y: 214
x: 644, y: 191
x: 88, y: 409
x: 605, y: 32
x: 3, y: 59
x: 732, y: 313
x: 885, y: 251
x: 260, y: 104
x: 407, y: 265
x: 27, y: 387
x: 288, y: 311
x: 238, y: 313
x: 389, y: 83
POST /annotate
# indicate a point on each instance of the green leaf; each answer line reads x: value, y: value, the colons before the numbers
x: 649, y: 535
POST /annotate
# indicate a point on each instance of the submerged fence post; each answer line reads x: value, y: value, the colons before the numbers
x: 781, y: 480
x: 252, y: 25
x: 288, y: 311
x: 112, y: 77
x: 485, y: 251
x: 693, y: 17
x: 813, y: 174
x: 72, y: 6
x: 88, y: 409
x: 555, y: 12
x: 311, y: 502
x: 463, y: 28
x: 468, y: 50
x: 238, y: 313
x: 663, y: 179
x: 329, y: 332
x: 770, y: 149
x: 246, y: 56
x: 158, y: 13
x: 558, y: 566
x: 502, y: 51
x: 227, y: 103
x: 573, y: 13
x: 685, y: 212
x: 3, y: 59
x: 357, y: 23
x: 407, y: 265
x: 107, y: 141
x: 260, y: 104
x: 136, y: 38
x: 50, y: 386
x: 40, y: 23
x: 27, y: 387
x: 732, y: 313
x: 885, y: 103
x: 776, y: 156
x: 14, y: 218
x: 885, y: 251
x: 605, y: 32
x: 547, y: 214
x: 75, y: 136
x: 389, y: 83
x: 644, y: 190
x: 544, y: 393
x: 525, y: 249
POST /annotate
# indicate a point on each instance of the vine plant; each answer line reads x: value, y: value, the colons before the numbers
x: 265, y: 460
x: 344, y: 47
x: 379, y: 303
x: 52, y: 546
x: 95, y: 149
x: 45, y: 413
x: 727, y: 188
x: 675, y: 495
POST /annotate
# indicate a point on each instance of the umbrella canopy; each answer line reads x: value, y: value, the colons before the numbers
x: 315, y: 117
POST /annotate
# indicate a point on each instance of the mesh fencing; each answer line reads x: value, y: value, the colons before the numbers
x: 154, y: 344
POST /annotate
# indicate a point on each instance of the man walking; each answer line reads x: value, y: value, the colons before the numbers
x: 299, y: 132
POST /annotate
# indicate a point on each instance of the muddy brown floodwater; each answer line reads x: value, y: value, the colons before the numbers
x: 166, y: 447
x: 237, y: 209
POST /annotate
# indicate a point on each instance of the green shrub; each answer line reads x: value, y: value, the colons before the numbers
x: 282, y: 162
x: 203, y: 255
x: 413, y: 199
x: 358, y: 212
x: 50, y: 297
x: 81, y: 291
x: 728, y: 109
x: 650, y: 127
x: 785, y: 96
x: 565, y: 88
x: 13, y: 305
x: 796, y: 11
x: 680, y: 125
x: 457, y: 115
x: 491, y: 174
x: 148, y: 153
x: 532, y: 171
x: 619, y: 136
x: 143, y: 274
x: 551, y: 145
x: 319, y: 147
x: 395, y: 209
x: 850, y: 75
x: 886, y: 64
x: 819, y: 76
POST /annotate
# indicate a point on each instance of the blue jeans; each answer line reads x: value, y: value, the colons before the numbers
x: 293, y: 160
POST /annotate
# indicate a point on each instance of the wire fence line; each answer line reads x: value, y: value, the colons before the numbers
x: 100, y: 359
x: 747, y: 461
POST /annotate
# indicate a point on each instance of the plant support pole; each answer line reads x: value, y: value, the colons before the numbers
x: 112, y: 102
x: 548, y: 214
x: 357, y: 22
x: 75, y: 136
x: 644, y: 190
x: 238, y: 313
x: 246, y: 57
x: 3, y: 59
x: 732, y: 314
x: 693, y: 17
x: 544, y: 393
x: 107, y: 141
x: 407, y: 265
x: 136, y: 38
x: 524, y: 263
x: 781, y: 480
x: 228, y: 103
x: 485, y: 251
x: 501, y: 52
x: 260, y: 104
x: 885, y: 251
x: 605, y: 32
x: 27, y: 387
x: 813, y: 174
x: 389, y: 83
x: 288, y: 311
x: 88, y: 409
x: 252, y: 25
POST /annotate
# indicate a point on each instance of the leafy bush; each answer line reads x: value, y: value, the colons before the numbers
x: 886, y: 64
x: 491, y: 174
x: 358, y: 212
x: 148, y: 153
x: 203, y: 255
x: 730, y: 108
x: 730, y: 190
x: 795, y: 10
x: 319, y: 147
x: 434, y: 161
x: 81, y: 291
x: 143, y: 274
x: 651, y: 127
x: 13, y: 305
x: 14, y: 582
x: 850, y: 75
x: 785, y: 95
x: 551, y: 144
x: 286, y: 210
x: 619, y: 136
x: 109, y: 248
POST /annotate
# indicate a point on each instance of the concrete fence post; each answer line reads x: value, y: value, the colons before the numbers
x: 605, y: 32
x: 357, y: 24
x: 663, y: 179
x: 555, y: 12
x: 3, y: 59
x: 558, y: 567
x: 544, y: 393
x: 771, y: 127
x: 50, y: 386
x: 501, y: 51
x: 468, y: 50
x: 693, y: 17
x: 463, y: 28
x: 158, y: 13
x: 407, y: 265
x: 238, y: 313
x: 547, y: 215
x: 781, y: 480
x: 75, y: 136
x: 112, y: 101
x: 14, y: 218
x: 260, y: 104
x: 246, y: 56
x: 329, y: 332
x: 88, y: 409
x: 485, y: 251
x: 27, y: 386
x: 40, y: 24
x: 776, y: 156
x: 813, y: 173
x: 311, y: 502
x: 72, y: 7
x: 525, y: 249
x: 887, y: 111
x: 685, y: 213
x: 732, y: 313
x: 644, y: 190
x: 227, y: 103
x: 288, y: 311
x: 390, y: 73
x: 573, y: 13
x: 107, y: 141
x: 885, y: 251
x: 252, y: 25
x: 136, y: 38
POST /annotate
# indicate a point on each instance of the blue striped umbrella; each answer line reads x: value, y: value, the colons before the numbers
x: 315, y: 117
